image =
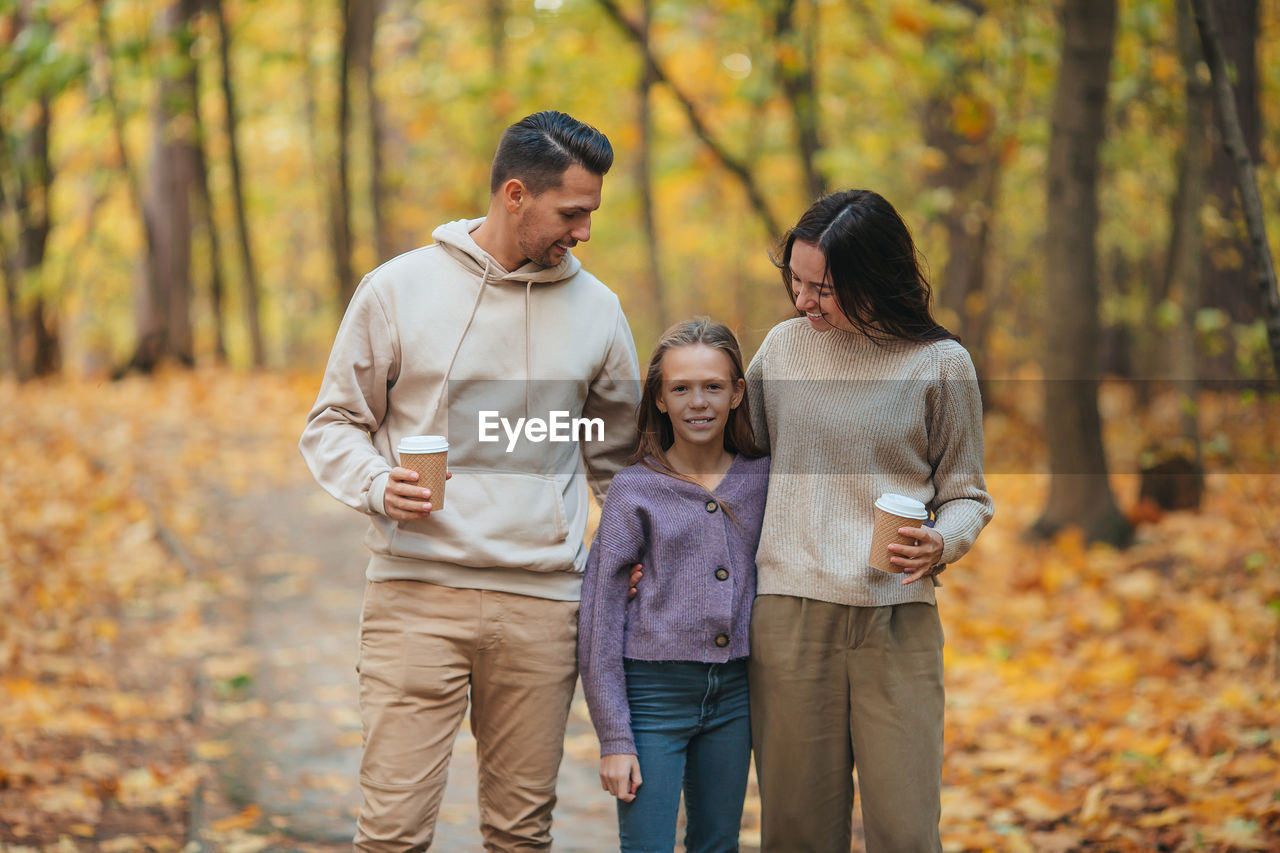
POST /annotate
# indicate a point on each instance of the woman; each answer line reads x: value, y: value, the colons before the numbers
x: 863, y: 394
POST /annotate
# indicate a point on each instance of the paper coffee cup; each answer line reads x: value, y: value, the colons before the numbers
x: 891, y: 512
x: 428, y: 455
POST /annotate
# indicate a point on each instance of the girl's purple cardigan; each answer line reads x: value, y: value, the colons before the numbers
x: 694, y: 603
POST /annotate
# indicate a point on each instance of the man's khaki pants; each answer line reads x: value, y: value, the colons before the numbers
x: 423, y: 649
x: 832, y: 685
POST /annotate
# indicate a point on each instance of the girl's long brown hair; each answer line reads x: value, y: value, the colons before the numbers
x: 654, y: 426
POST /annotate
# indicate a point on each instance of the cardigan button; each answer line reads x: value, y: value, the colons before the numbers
x: 722, y: 640
x: 712, y: 506
x: 722, y: 574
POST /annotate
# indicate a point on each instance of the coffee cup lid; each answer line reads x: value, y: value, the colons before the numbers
x: 422, y: 444
x: 902, y: 505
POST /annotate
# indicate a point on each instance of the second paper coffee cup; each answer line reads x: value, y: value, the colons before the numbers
x: 429, y: 456
x: 891, y: 512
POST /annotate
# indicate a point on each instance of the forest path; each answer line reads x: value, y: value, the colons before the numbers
x: 293, y: 759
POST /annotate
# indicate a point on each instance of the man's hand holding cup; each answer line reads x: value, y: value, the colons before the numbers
x: 404, y: 499
x: 416, y: 487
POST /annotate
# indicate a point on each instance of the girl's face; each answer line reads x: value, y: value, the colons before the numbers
x: 811, y: 286
x: 698, y: 392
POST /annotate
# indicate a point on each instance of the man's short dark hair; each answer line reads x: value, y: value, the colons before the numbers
x: 538, y: 148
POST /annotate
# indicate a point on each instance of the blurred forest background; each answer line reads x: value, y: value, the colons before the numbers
x: 191, y: 189
x: 208, y: 179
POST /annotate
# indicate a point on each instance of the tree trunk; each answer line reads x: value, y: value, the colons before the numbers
x: 378, y: 189
x: 497, y: 14
x: 364, y: 25
x: 796, y: 58
x: 1079, y: 493
x: 1178, y: 292
x: 394, y: 148
x: 961, y: 125
x: 33, y: 325
x: 231, y: 120
x: 644, y: 179
x: 971, y: 176
x: 46, y: 347
x: 163, y: 303
x: 1228, y: 279
x: 210, y: 219
x: 33, y: 330
x: 147, y: 349
x: 34, y: 216
x: 9, y: 267
x: 8, y: 253
x: 340, y: 190
x: 1233, y: 137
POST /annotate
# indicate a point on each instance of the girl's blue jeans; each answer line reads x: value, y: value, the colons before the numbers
x: 692, y: 726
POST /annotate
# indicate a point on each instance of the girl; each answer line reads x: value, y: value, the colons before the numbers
x: 863, y: 393
x: 666, y: 676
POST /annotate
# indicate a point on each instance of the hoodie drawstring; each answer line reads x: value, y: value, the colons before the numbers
x: 444, y: 385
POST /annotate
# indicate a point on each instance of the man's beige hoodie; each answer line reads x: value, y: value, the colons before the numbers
x: 433, y: 340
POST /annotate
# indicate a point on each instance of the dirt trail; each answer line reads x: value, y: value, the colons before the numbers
x: 295, y: 755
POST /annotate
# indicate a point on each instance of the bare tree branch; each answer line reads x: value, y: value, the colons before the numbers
x: 736, y: 167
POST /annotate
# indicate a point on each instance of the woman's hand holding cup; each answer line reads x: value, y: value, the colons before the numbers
x: 900, y: 542
x: 917, y: 561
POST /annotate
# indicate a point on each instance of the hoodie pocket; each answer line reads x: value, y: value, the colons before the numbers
x: 493, y: 519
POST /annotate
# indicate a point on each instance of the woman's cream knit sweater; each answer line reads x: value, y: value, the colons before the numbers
x: 846, y: 420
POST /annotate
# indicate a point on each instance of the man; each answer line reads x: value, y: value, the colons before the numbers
x: 494, y: 322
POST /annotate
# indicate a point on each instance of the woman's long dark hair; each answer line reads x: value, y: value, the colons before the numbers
x: 873, y: 263
x: 656, y: 433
